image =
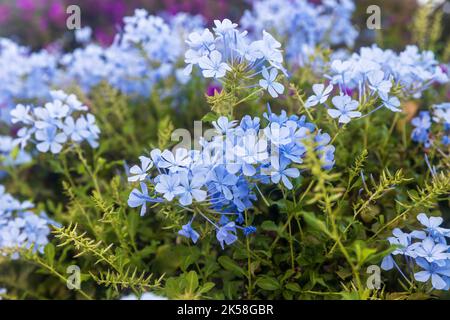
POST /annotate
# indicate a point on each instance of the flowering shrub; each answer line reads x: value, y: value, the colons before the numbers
x: 188, y: 160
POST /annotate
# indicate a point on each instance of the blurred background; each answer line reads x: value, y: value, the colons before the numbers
x: 39, y: 23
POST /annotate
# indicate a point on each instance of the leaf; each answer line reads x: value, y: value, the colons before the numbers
x: 191, y: 281
x: 293, y: 287
x: 210, y: 117
x: 316, y: 223
x: 206, y: 287
x: 230, y: 265
x: 268, y: 283
x: 49, y: 252
x: 133, y: 223
x: 269, y: 226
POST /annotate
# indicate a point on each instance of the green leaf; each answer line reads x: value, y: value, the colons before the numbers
x: 269, y: 226
x: 210, y: 117
x: 49, y: 252
x: 316, y: 223
x: 207, y: 287
x: 191, y: 281
x: 268, y: 283
x: 230, y: 265
x: 133, y: 223
x: 293, y: 287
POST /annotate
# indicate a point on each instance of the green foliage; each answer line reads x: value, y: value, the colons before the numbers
x: 313, y: 242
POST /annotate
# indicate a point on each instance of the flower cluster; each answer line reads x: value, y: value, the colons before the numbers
x: 20, y: 227
x: 219, y: 182
x: 142, y: 55
x: 228, y: 50
x: 423, y: 125
x: 375, y: 72
x: 375, y: 77
x: 7, y: 158
x: 23, y: 75
x: 62, y: 120
x: 303, y: 24
x: 426, y: 248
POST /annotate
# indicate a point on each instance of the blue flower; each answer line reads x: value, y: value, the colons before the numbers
x: 217, y: 54
x: 228, y: 168
x: 392, y: 103
x: 268, y: 83
x: 422, y: 125
x: 20, y: 227
x: 224, y: 27
x: 432, y: 251
x: 378, y: 84
x: 212, y: 65
x: 55, y: 124
x: 188, y: 232
x: 321, y: 95
x: 344, y: 109
x: 191, y: 189
x: 139, y: 198
x: 223, y: 125
x: 432, y: 225
x: 437, y: 273
x: 249, y: 230
x: 169, y: 186
x: 279, y: 171
x: 50, y: 140
x: 140, y: 173
x: 223, y: 181
x: 277, y: 134
x: 226, y: 234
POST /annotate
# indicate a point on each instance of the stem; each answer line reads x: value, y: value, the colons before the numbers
x: 249, y: 262
x: 88, y: 170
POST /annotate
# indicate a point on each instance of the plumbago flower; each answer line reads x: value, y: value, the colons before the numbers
x: 10, y: 158
x: 144, y: 53
x: 64, y: 120
x: 426, y: 249
x: 218, y: 182
x: 24, y: 75
x: 20, y: 227
x: 303, y: 25
x: 432, y: 128
x: 229, y: 53
x: 376, y: 71
x: 374, y: 77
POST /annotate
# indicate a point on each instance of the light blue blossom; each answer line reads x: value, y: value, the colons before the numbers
x: 140, y: 173
x: 229, y: 49
x: 226, y: 234
x: 279, y: 171
x: 20, y: 227
x: 378, y: 84
x: 425, y: 248
x: 221, y: 177
x: 188, y: 232
x: 139, y: 198
x: 345, y: 107
x: 269, y: 84
x: 50, y: 139
x: 432, y: 251
x: 392, y: 103
x: 191, y: 189
x: 62, y: 120
x: 438, y: 274
x: 212, y: 65
x: 169, y: 186
x: 320, y: 96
